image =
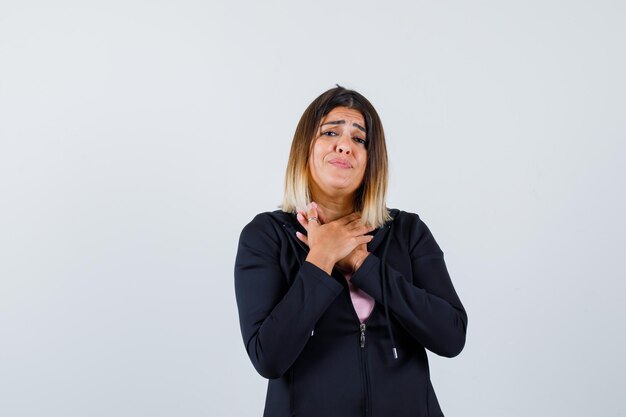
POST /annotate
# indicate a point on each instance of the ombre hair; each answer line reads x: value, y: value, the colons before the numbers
x: 370, y: 197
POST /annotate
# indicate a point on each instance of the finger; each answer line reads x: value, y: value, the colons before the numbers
x: 357, y: 219
x: 356, y: 224
x: 312, y: 218
x: 364, y: 240
x: 320, y: 214
x: 348, y: 218
x: 360, y: 231
x: 303, y: 238
x: 302, y: 220
x: 362, y: 246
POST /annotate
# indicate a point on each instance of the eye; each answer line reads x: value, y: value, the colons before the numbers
x: 329, y: 133
x: 359, y: 140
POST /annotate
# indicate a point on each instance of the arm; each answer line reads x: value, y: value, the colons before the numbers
x: 276, y: 319
x: 426, y: 305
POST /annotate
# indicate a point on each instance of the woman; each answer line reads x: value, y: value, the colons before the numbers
x: 339, y: 296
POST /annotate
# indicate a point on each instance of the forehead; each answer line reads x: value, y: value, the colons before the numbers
x: 349, y: 115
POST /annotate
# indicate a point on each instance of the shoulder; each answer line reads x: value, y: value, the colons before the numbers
x: 410, y: 226
x: 404, y: 221
x: 270, y: 218
x: 266, y: 225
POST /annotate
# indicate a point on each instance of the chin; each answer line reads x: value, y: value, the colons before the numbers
x: 340, y: 187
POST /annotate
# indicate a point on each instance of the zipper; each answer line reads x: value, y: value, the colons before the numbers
x: 362, y: 351
x: 362, y: 327
x: 366, y: 385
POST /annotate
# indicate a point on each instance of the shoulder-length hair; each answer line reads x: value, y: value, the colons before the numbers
x: 370, y: 197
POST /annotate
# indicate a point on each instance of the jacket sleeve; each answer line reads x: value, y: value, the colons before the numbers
x: 276, y: 319
x: 426, y: 305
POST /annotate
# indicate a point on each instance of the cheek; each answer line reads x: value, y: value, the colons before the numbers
x: 316, y: 159
x: 363, y: 163
x: 318, y: 153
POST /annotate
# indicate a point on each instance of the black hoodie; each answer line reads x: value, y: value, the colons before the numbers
x: 301, y: 331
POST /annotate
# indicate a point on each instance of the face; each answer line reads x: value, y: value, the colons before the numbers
x: 339, y: 155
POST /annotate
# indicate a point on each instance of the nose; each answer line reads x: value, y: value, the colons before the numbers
x: 343, y: 145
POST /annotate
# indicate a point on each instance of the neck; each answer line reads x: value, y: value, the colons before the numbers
x: 333, y: 206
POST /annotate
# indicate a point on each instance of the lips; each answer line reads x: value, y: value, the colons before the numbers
x: 340, y: 163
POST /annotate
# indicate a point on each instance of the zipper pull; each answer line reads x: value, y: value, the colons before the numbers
x: 362, y: 327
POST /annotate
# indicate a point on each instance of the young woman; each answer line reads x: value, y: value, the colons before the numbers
x: 339, y: 297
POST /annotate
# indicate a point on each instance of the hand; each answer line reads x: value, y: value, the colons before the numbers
x: 333, y: 241
x: 354, y: 260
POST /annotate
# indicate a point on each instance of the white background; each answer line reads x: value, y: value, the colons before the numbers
x: 137, y: 138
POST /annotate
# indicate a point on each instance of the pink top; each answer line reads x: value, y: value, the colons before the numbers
x: 363, y: 303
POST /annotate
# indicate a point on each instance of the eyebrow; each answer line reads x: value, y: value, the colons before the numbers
x: 341, y: 122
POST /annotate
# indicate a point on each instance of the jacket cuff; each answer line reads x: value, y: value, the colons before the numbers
x: 367, y: 276
x: 318, y: 274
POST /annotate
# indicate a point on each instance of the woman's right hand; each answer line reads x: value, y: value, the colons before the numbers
x: 332, y: 241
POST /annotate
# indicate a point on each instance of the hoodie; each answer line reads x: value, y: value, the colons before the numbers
x: 301, y: 331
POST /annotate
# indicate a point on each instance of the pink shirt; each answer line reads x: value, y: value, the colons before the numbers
x: 363, y: 303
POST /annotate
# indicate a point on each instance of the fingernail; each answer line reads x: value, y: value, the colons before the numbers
x: 313, y: 204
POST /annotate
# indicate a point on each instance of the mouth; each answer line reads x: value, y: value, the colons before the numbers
x: 340, y: 163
